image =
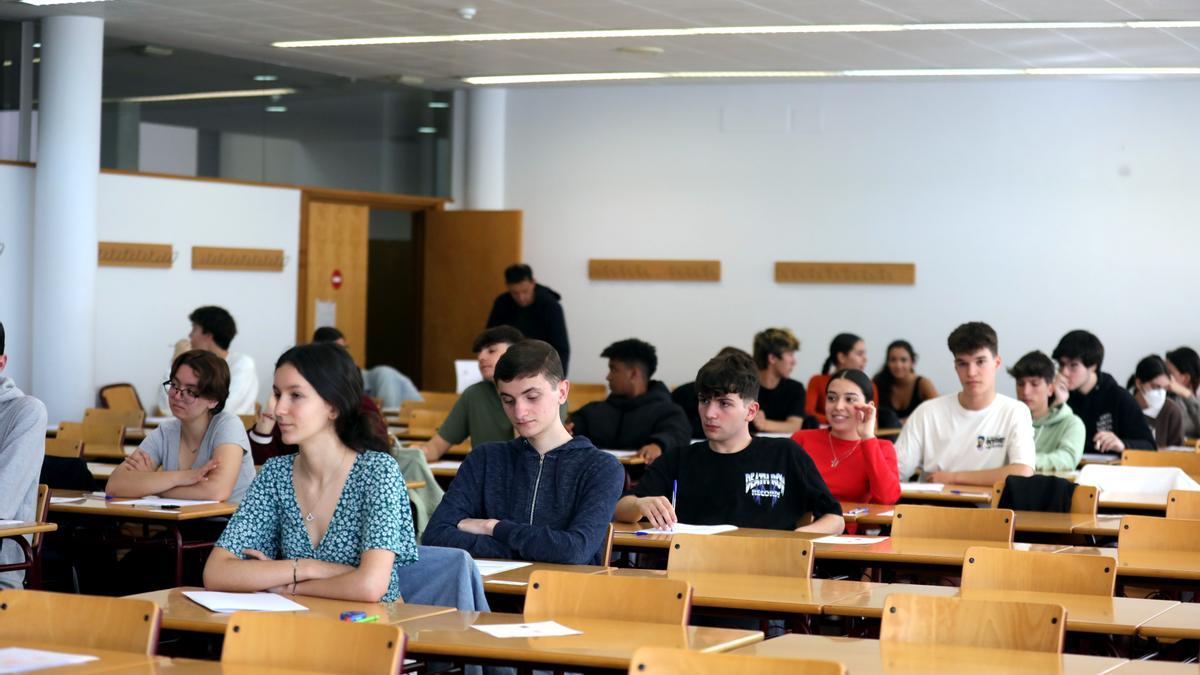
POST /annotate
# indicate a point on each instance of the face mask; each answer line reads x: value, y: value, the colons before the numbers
x: 1155, y: 398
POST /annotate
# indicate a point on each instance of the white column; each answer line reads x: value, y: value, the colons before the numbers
x: 485, y: 148
x: 64, y: 236
x: 458, y: 150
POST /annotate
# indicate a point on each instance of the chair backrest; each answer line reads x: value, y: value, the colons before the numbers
x: 557, y: 595
x: 1183, y: 504
x: 1188, y: 461
x: 248, y: 420
x: 1085, y: 499
x: 296, y: 642
x: 42, y: 513
x: 121, y: 396
x: 608, y: 545
x: 426, y: 420
x: 1150, y: 533
x: 668, y: 661
x: 1001, y: 569
x: 941, y: 620
x: 126, y: 418
x: 116, y: 624
x: 947, y: 522
x: 99, y: 440
x: 768, y: 556
x: 71, y: 448
x: 435, y: 400
x: 581, y: 394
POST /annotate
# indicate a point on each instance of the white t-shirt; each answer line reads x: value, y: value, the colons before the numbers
x: 941, y: 435
x: 243, y: 386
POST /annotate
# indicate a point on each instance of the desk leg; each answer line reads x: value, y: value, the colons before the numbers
x: 178, y: 554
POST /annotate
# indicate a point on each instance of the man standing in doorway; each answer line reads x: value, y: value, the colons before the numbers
x: 532, y: 309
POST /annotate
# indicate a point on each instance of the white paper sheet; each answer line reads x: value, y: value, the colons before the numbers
x: 1148, y: 480
x: 466, y: 373
x: 161, y: 502
x: 1100, y: 457
x: 236, y: 602
x: 922, y: 487
x: 889, y: 512
x: 520, y: 630
x: 682, y: 528
x: 619, y: 454
x: 843, y: 539
x: 506, y: 582
x: 10, y: 522
x: 156, y: 420
x: 487, y: 567
x: 446, y: 464
x: 21, y: 660
x: 68, y: 500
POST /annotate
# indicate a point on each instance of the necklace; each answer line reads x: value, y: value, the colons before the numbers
x: 838, y: 460
x: 309, y: 517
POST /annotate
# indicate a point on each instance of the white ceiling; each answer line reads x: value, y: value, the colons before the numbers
x: 245, y: 29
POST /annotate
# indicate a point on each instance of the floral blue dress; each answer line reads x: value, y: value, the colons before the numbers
x: 372, y: 513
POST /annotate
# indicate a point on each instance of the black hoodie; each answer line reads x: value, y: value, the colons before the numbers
x: 1108, y: 407
x: 541, y: 320
x: 627, y: 423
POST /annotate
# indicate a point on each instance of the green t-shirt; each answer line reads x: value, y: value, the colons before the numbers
x: 479, y: 415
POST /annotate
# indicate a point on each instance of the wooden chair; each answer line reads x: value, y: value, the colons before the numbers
x: 1083, y: 499
x: 248, y: 420
x: 581, y: 394
x: 71, y: 448
x: 34, y: 578
x: 286, y: 641
x: 100, y: 441
x: 116, y: 624
x: 939, y: 620
x: 121, y: 396
x: 947, y: 522
x: 1150, y: 533
x: 1188, y: 461
x: 767, y: 556
x: 1000, y: 569
x: 1183, y: 504
x: 667, y: 661
x: 133, y: 419
x: 561, y: 595
x: 608, y: 544
x: 435, y: 400
x: 426, y: 421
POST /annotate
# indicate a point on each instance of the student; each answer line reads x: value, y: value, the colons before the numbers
x: 333, y: 520
x: 477, y: 413
x: 684, y: 396
x: 1111, y: 417
x: 733, y: 478
x: 533, y: 309
x: 22, y: 448
x: 1057, y: 431
x: 385, y: 383
x: 1183, y: 365
x: 899, y: 386
x: 1149, y: 384
x: 638, y: 413
x: 213, y: 329
x: 203, y: 452
x: 780, y: 398
x: 856, y: 466
x: 975, y: 436
x: 543, y: 496
x: 847, y: 351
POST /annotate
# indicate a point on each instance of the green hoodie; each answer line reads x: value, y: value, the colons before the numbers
x: 1059, y: 439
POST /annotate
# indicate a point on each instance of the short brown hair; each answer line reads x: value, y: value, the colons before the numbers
x: 212, y: 375
x: 971, y: 337
x: 773, y: 341
x: 731, y: 373
x: 529, y: 358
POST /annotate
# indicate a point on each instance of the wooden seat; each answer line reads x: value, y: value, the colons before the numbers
x: 1183, y: 504
x: 1149, y: 533
x: 1083, y: 499
x: 133, y: 419
x: 939, y: 620
x: 559, y: 595
x: 667, y: 661
x: 120, y: 396
x: 767, y: 556
x: 116, y: 624
x: 100, y: 440
x: 581, y: 394
x: 296, y: 642
x: 947, y: 522
x: 71, y: 448
x: 1000, y: 569
x: 1188, y: 461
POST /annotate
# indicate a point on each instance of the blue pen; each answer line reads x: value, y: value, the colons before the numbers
x: 674, y: 493
x: 855, y: 512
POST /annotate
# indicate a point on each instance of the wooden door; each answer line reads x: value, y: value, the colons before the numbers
x: 333, y: 271
x: 465, y: 253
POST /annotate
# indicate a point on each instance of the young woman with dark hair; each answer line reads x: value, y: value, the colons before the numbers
x: 1149, y: 384
x: 847, y: 351
x: 899, y: 386
x: 1183, y: 367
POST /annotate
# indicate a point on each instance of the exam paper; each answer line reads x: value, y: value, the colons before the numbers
x: 10, y: 522
x: 681, y: 528
x: 487, y: 567
x: 621, y: 454
x: 922, y: 487
x: 518, y: 630
x: 236, y: 602
x: 68, y: 500
x: 21, y: 660
x: 842, y: 539
x: 446, y: 464
x: 160, y: 502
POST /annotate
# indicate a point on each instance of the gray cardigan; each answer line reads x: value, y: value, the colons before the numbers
x: 22, y: 448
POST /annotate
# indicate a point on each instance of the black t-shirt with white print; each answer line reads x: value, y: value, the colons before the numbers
x: 769, y: 485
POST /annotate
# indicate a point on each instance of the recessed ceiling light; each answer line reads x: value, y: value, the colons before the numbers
x: 733, y: 30
x: 7, y: 63
x: 802, y: 74
x: 265, y: 78
x: 439, y: 104
x: 276, y: 108
x: 641, y: 51
x: 37, y: 45
x: 426, y: 130
x: 204, y: 95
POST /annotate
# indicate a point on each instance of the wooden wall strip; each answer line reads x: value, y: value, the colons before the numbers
x: 122, y: 254
x: 845, y: 273
x: 241, y: 259
x: 654, y: 270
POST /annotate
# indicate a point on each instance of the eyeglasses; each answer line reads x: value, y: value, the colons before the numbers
x: 186, y: 394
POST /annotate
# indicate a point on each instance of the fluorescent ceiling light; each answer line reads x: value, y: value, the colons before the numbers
x: 276, y: 108
x: 426, y: 130
x: 796, y: 74
x: 42, y: 3
x: 439, y: 104
x: 203, y: 95
x: 733, y: 30
x: 265, y: 78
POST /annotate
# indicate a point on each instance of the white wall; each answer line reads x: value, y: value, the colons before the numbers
x: 1038, y: 206
x: 163, y: 148
x: 16, y: 273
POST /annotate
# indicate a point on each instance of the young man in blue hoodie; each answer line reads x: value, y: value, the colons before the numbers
x: 22, y: 448
x: 544, y: 496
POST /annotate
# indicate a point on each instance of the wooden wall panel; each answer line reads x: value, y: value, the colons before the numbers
x: 334, y: 236
x: 654, y: 270
x: 845, y: 273
x: 465, y: 256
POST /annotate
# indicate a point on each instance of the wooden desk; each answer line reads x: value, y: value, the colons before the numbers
x: 954, y: 494
x: 1133, y: 501
x: 625, y: 536
x: 108, y: 661
x: 1175, y: 565
x: 1088, y: 613
x: 1024, y: 521
x: 1181, y: 621
x: 1102, y: 525
x: 516, y: 582
x: 917, y: 550
x: 760, y: 594
x: 603, y: 644
x: 415, y: 484
x: 180, y: 613
x: 872, y: 656
x: 1156, y: 668
x: 101, y: 470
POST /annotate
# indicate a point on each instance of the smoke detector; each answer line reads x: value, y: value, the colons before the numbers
x: 466, y: 13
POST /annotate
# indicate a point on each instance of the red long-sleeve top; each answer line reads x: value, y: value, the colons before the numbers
x: 866, y: 470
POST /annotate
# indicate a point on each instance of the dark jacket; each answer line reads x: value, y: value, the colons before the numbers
x: 1108, y: 407
x: 684, y: 396
x: 553, y: 508
x: 625, y: 423
x: 542, y: 320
